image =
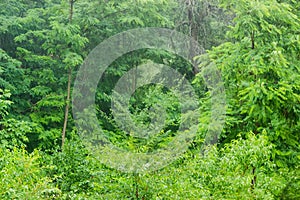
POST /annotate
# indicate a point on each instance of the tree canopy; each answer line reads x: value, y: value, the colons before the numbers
x: 254, y: 47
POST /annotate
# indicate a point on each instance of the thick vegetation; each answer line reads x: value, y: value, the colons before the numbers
x: 254, y: 44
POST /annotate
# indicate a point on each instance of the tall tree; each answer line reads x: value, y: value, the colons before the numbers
x: 261, y: 72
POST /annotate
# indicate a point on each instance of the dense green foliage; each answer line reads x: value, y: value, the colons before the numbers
x: 254, y: 44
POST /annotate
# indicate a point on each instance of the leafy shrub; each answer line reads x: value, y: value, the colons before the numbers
x: 243, y: 169
x: 22, y: 177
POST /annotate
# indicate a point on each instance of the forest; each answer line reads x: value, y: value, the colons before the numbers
x: 150, y: 99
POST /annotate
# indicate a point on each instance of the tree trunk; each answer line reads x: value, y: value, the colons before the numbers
x: 193, y: 33
x: 63, y: 135
x: 66, y: 109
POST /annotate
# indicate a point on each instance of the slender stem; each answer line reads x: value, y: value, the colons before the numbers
x: 252, y: 40
x: 253, y: 181
x: 136, y: 180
